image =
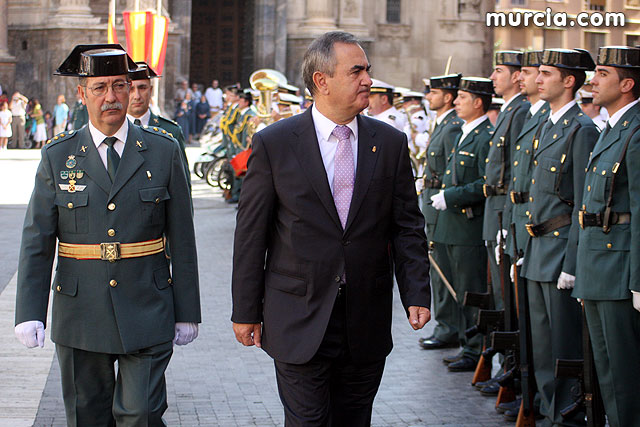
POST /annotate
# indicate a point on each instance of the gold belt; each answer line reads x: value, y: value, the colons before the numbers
x: 111, y: 251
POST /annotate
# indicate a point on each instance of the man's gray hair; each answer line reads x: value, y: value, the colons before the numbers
x: 321, y: 57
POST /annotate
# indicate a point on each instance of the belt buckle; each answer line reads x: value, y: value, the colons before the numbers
x: 581, y: 218
x: 484, y: 189
x: 529, y: 228
x: 110, y: 251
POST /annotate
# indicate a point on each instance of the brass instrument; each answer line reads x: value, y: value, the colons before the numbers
x: 265, y: 81
x: 416, y: 154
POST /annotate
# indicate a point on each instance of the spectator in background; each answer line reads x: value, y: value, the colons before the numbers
x: 202, y: 114
x: 79, y: 114
x: 18, y: 108
x: 5, y: 125
x: 191, y: 102
x: 60, y: 115
x: 214, y: 97
x: 181, y: 93
x: 195, y: 91
x: 48, y: 123
x: 41, y: 130
x: 182, y: 117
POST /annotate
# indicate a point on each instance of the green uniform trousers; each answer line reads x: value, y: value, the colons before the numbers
x: 468, y: 273
x: 445, y: 309
x: 614, y: 329
x: 95, y: 396
x: 556, y: 333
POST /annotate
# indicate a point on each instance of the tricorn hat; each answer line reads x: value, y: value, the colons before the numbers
x: 570, y: 59
x: 96, y: 60
x: 143, y: 72
x: 619, y: 56
x: 509, y: 57
x: 532, y: 58
x: 450, y: 81
x: 477, y: 85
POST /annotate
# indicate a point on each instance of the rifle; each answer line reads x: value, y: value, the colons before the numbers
x: 526, y: 416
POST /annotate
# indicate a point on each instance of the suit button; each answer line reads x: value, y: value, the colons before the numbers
x: 531, y: 198
x: 346, y: 243
x: 70, y: 205
x: 553, y: 169
x: 535, y: 163
x: 464, y: 211
x: 514, y: 179
x: 517, y: 147
x: 58, y: 288
x: 527, y: 213
x: 169, y: 281
x: 111, y: 232
x: 157, y: 200
x: 515, y: 163
x: 112, y: 206
x: 588, y: 188
x: 556, y: 233
x: 336, y: 279
x: 113, y: 283
x: 609, y: 245
x: 533, y: 181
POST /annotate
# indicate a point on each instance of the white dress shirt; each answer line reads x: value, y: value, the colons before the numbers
x: 98, y: 137
x: 506, y: 104
x: 618, y: 115
x: 468, y: 127
x: 554, y: 117
x: 144, y: 120
x: 535, y: 107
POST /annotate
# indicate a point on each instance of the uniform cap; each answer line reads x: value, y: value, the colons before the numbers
x: 509, y: 57
x: 96, y: 60
x: 143, y: 72
x: 585, y: 96
x: 532, y: 58
x: 449, y: 81
x: 619, y: 56
x: 288, y: 99
x: 412, y: 95
x: 378, y: 86
x: 477, y: 85
x: 287, y: 88
x: 570, y: 59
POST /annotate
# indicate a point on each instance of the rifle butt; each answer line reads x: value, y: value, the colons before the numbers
x: 505, y: 395
x: 525, y: 418
x: 482, y: 372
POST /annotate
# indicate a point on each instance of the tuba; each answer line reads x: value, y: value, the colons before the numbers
x: 265, y: 81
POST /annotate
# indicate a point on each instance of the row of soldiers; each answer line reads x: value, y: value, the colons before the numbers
x: 549, y: 206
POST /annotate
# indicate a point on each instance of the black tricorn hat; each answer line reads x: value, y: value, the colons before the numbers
x: 96, y: 60
x: 509, y: 57
x: 570, y: 59
x: 450, y: 81
x: 477, y: 85
x: 619, y: 56
x: 532, y: 58
x: 143, y: 72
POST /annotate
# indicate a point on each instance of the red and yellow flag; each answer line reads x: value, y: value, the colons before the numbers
x: 112, y: 37
x: 147, y: 38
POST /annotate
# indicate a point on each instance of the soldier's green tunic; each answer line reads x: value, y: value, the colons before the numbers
x: 608, y: 268
x: 441, y: 142
x: 459, y: 226
x: 79, y: 116
x: 176, y: 132
x: 556, y: 187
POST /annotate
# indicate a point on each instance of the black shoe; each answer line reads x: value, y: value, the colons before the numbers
x: 435, y: 343
x: 490, y: 390
x: 481, y: 384
x: 465, y: 364
x: 503, y: 407
x: 451, y: 359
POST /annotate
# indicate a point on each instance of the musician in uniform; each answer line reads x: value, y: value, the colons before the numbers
x: 227, y: 124
x: 608, y: 264
x: 560, y: 156
x: 108, y: 194
x: 381, y: 105
x: 461, y: 202
x: 239, y: 138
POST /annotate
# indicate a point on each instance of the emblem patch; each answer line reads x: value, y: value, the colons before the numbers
x: 79, y: 173
x: 71, y: 162
x: 67, y: 187
x: 64, y: 174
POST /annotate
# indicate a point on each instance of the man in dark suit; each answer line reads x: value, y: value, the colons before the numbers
x: 108, y: 194
x: 328, y: 208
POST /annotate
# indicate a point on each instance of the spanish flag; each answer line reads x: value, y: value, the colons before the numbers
x: 147, y: 38
x: 112, y: 37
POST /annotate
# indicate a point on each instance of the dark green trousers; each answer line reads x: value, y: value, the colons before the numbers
x: 495, y: 274
x: 94, y: 395
x: 445, y: 309
x: 468, y: 273
x: 614, y: 329
x: 556, y: 333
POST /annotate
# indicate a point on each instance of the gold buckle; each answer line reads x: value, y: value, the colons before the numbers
x: 484, y: 190
x: 529, y: 228
x: 513, y: 197
x: 110, y: 251
x: 581, y: 219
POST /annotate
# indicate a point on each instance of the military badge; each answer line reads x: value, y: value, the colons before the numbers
x: 72, y: 175
x: 83, y: 148
x: 71, y: 162
x: 155, y: 120
x: 64, y: 174
x: 72, y: 186
x: 79, y: 173
x: 139, y: 144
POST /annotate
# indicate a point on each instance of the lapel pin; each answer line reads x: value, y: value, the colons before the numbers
x: 566, y: 122
x: 139, y: 144
x: 149, y: 175
x: 83, y: 148
x: 373, y: 148
x: 625, y: 123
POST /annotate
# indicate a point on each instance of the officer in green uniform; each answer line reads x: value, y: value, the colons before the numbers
x: 239, y: 138
x: 559, y: 157
x: 608, y: 266
x: 461, y: 202
x: 445, y: 134
x: 79, y: 115
x: 512, y: 114
x: 108, y: 194
x: 140, y: 114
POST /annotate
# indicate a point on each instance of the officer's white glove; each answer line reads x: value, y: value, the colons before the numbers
x: 566, y: 281
x: 636, y: 300
x: 30, y: 333
x: 438, y: 201
x: 511, y: 270
x: 419, y: 185
x: 185, y: 333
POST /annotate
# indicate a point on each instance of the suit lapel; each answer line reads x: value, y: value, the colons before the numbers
x: 472, y: 135
x: 131, y: 160
x: 89, y: 160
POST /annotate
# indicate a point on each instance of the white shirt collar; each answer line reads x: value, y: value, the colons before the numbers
x: 144, y: 120
x: 618, y: 115
x: 536, y: 107
x: 325, y: 126
x: 506, y: 103
x: 441, y: 117
x: 554, y: 117
x: 98, y: 137
x: 468, y: 127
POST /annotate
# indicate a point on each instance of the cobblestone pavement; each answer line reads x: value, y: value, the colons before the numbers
x: 217, y: 382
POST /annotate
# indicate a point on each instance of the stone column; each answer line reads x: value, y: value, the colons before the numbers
x: 75, y: 11
x: 352, y: 18
x: 320, y: 17
x: 7, y: 62
x: 270, y: 34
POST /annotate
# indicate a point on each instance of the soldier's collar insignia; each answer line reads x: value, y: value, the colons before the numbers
x: 625, y: 123
x: 477, y: 131
x: 544, y: 110
x: 580, y: 114
x: 566, y: 122
x: 83, y: 148
x: 155, y: 120
x: 139, y: 144
x: 71, y: 162
x: 373, y: 149
x: 509, y: 108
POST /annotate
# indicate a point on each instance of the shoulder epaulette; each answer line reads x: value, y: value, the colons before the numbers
x: 157, y: 131
x: 173, y: 122
x: 62, y: 136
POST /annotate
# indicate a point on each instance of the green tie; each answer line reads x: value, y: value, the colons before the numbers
x: 113, y: 159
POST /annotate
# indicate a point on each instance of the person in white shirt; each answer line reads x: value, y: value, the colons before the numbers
x: 214, y: 97
x: 381, y: 105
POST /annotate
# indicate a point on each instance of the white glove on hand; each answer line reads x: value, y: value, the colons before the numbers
x: 566, y: 281
x: 512, y: 270
x: 636, y: 300
x: 438, y: 201
x: 185, y: 333
x: 501, y: 233
x: 419, y: 185
x: 30, y: 333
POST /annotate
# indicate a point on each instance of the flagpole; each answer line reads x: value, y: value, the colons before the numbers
x: 156, y: 87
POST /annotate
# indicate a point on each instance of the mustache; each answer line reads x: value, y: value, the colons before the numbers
x: 113, y: 106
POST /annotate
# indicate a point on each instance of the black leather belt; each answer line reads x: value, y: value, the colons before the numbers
x: 519, y: 197
x: 537, y: 230
x: 493, y: 190
x: 432, y: 183
x: 587, y: 219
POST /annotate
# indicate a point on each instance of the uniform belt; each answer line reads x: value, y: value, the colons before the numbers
x: 587, y: 219
x: 519, y: 197
x: 111, y: 251
x: 537, y: 230
x: 432, y: 183
x: 493, y: 190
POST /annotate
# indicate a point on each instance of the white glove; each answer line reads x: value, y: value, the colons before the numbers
x: 30, y: 333
x: 511, y: 270
x: 438, y: 201
x: 636, y: 300
x: 501, y: 233
x: 566, y: 281
x: 185, y: 333
x: 419, y: 185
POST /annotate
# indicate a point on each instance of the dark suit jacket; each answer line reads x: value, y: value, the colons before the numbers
x: 290, y: 249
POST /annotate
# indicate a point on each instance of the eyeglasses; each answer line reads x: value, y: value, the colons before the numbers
x: 101, y: 89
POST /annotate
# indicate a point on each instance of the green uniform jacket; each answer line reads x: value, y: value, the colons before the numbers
x: 176, y: 131
x: 240, y: 131
x: 609, y: 264
x: 522, y: 163
x: 441, y: 142
x: 508, y: 127
x: 454, y: 225
x: 228, y: 123
x: 100, y: 306
x: 79, y: 116
x: 555, y: 252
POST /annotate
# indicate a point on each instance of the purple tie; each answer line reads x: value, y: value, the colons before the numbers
x: 343, y: 175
